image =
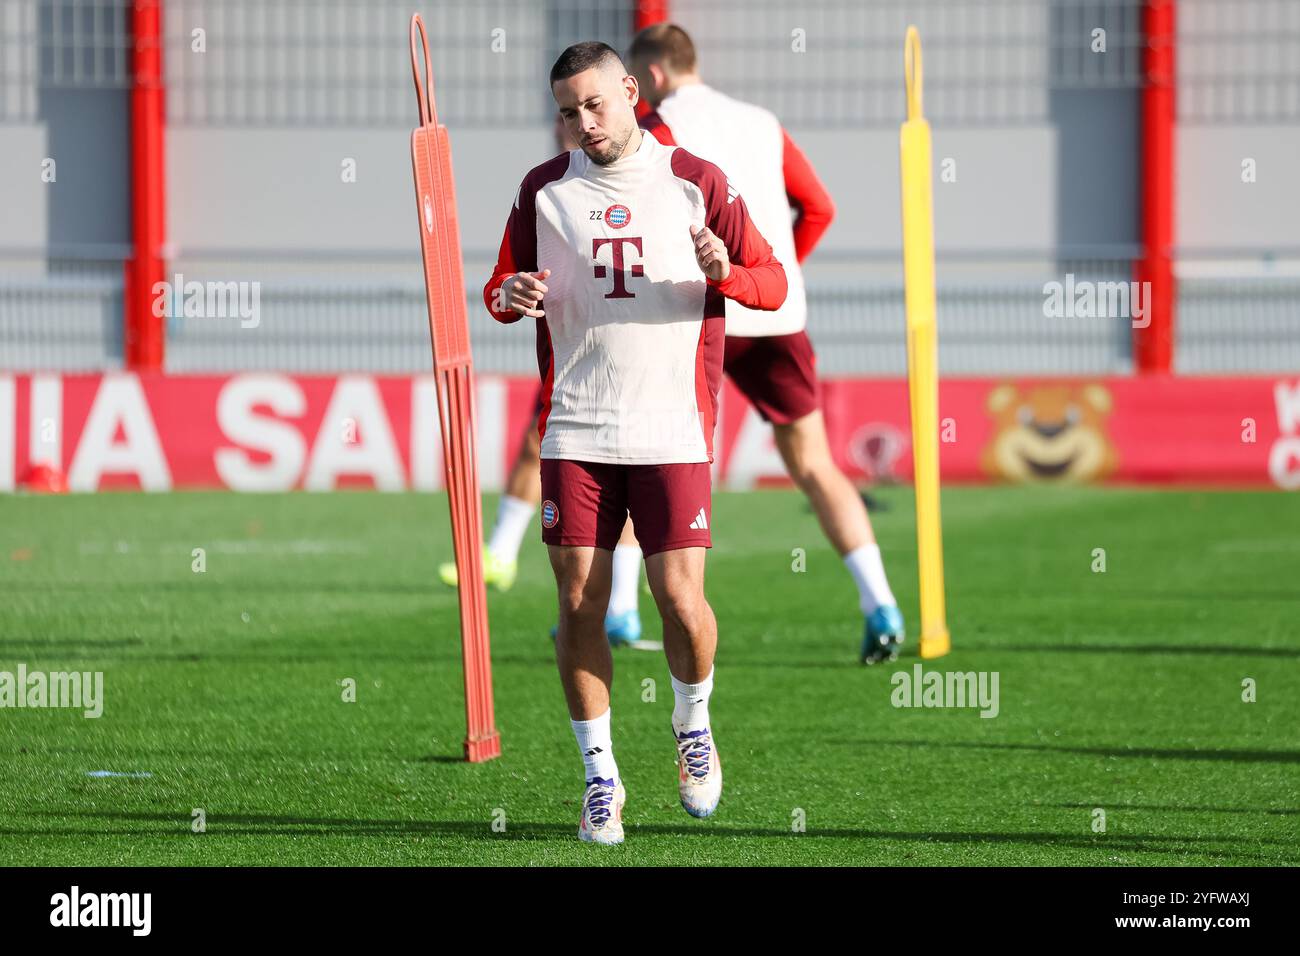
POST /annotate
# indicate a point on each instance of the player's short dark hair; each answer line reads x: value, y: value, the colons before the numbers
x: 587, y: 55
x: 664, y: 43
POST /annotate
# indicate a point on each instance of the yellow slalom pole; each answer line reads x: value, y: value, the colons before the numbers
x: 922, y: 350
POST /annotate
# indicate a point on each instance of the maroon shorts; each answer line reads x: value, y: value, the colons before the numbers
x: 587, y: 503
x: 777, y: 373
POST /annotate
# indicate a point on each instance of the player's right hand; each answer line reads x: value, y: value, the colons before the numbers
x: 524, y: 292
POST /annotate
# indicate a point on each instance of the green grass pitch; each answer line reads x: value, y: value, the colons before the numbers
x: 1119, y: 691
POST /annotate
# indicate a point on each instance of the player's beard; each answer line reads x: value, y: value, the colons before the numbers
x: 614, y: 147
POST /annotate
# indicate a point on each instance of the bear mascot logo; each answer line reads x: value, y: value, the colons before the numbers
x: 1050, y: 433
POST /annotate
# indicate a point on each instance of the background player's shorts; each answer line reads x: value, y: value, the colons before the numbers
x: 586, y: 503
x: 777, y: 373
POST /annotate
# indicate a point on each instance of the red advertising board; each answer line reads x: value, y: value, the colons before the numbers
x: 270, y: 432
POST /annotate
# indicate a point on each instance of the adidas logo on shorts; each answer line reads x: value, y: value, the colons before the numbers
x: 700, y: 523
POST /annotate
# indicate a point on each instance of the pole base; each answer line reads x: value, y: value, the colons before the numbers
x: 480, y: 749
x: 935, y: 645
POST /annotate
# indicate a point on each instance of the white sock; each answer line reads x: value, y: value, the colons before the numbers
x: 869, y: 575
x: 627, y: 578
x: 691, y: 709
x: 513, y: 515
x: 597, y: 747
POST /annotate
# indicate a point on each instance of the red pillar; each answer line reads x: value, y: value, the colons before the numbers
x: 1153, y: 346
x: 142, y: 330
x: 650, y: 12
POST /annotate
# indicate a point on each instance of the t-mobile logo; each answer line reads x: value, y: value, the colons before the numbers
x: 620, y: 276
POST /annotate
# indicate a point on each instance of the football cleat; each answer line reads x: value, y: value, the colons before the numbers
x: 620, y: 629
x: 496, y: 573
x: 623, y: 628
x: 883, y: 635
x: 602, y: 813
x: 699, y: 773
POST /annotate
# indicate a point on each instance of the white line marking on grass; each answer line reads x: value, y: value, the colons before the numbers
x: 135, y: 775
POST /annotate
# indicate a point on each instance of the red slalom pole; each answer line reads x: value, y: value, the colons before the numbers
x: 1153, y: 346
x: 142, y: 330
x: 444, y: 283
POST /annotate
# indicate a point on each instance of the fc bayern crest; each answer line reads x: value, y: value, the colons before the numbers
x: 617, y: 216
x: 550, y: 514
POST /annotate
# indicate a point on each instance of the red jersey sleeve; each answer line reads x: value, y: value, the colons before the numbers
x: 757, y: 279
x: 813, y: 206
x: 518, y: 252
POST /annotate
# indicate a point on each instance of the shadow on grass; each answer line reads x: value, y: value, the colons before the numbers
x: 253, y: 824
x: 275, y: 588
x: 838, y: 660
x: 1170, y: 808
x: 1287, y: 595
x: 1207, y: 650
x: 1150, y: 753
x: 68, y: 644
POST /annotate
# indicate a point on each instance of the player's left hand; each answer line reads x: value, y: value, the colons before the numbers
x: 711, y: 254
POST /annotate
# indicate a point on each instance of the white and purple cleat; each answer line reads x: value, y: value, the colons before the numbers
x: 699, y: 773
x: 602, y: 812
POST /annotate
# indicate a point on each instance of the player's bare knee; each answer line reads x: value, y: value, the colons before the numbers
x: 812, y: 472
x: 803, y: 475
x: 684, y: 609
x: 578, y: 604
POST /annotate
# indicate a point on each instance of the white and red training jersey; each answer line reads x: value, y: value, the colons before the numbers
x: 630, y: 349
x: 771, y: 172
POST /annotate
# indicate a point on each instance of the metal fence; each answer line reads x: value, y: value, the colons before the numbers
x: 823, y: 62
x: 1238, y: 62
x: 830, y: 64
x: 838, y: 63
x: 1237, y: 323
x: 336, y: 62
x: 65, y: 320
x: 59, y: 45
x: 988, y: 326
x: 857, y: 329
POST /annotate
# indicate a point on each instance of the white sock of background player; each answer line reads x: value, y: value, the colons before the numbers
x: 626, y: 579
x: 868, y: 572
x: 513, y: 516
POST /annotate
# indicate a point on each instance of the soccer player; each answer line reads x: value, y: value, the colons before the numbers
x: 623, y: 251
x: 518, y: 502
x: 768, y: 354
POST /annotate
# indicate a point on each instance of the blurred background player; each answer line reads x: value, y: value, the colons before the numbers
x: 630, y: 329
x: 768, y: 354
x: 518, y: 503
